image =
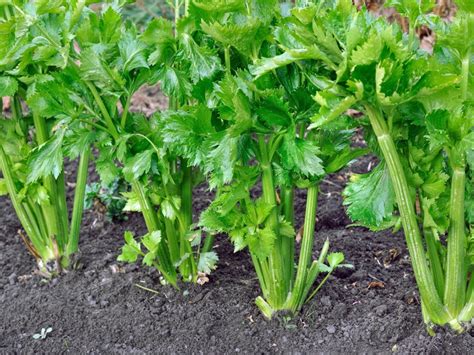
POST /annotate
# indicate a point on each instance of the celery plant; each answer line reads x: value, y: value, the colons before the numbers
x: 253, y: 132
x: 36, y: 41
x: 113, y: 62
x: 418, y: 121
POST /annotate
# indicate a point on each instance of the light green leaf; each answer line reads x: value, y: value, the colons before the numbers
x: 203, y: 62
x: 8, y: 86
x: 149, y: 258
x: 169, y: 206
x: 274, y: 112
x: 332, y: 107
x: 369, y: 52
x: 152, y: 240
x: 131, y: 250
x: 47, y: 159
x: 370, y: 197
x: 301, y: 156
x: 133, y: 202
x: 132, y: 53
x: 335, y: 259
x: 174, y: 83
x: 138, y: 165
x: 262, y: 242
x: 207, y: 262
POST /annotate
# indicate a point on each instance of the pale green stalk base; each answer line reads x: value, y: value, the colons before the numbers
x: 435, y: 309
x: 455, y: 289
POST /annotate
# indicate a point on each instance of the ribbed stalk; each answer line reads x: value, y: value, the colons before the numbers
x: 288, y: 244
x: 227, y: 59
x: 105, y: 113
x: 297, y: 297
x: 54, y: 219
x: 187, y: 209
x: 22, y: 213
x: 153, y: 224
x: 78, y: 208
x: 455, y: 291
x: 467, y: 313
x: 173, y: 240
x: 434, y: 307
x: 208, y: 244
x: 62, y: 207
x: 36, y: 216
x: 278, y: 286
x: 123, y: 121
x: 435, y: 261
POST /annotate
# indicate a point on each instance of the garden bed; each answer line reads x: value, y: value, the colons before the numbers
x: 100, y: 309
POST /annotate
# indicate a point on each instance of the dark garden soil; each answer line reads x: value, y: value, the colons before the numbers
x: 99, y: 308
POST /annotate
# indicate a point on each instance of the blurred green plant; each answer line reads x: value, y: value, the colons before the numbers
x: 108, y: 199
x: 142, y: 12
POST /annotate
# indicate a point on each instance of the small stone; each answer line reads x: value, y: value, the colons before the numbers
x: 12, y: 279
x: 381, y: 310
x: 114, y: 268
x: 91, y: 300
x: 331, y: 329
x: 106, y: 281
x: 326, y: 301
x: 359, y: 275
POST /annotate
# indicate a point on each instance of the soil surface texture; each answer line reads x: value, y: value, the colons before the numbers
x: 101, y: 308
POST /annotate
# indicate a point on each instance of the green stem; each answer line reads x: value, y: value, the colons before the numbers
x: 186, y: 8
x: 266, y: 309
x: 264, y: 275
x: 466, y: 63
x: 126, y: 108
x: 153, y: 224
x: 467, y: 314
x: 53, y: 212
x: 297, y: 297
x: 455, y: 291
x: 177, y: 15
x: 173, y: 241
x: 288, y: 244
x: 187, y: 194
x: 43, y: 244
x: 105, y: 113
x: 187, y: 212
x: 279, y: 285
x: 22, y: 214
x: 78, y: 208
x: 314, y: 272
x: 227, y: 59
x: 208, y: 244
x: 316, y: 290
x: 435, y: 261
x: 62, y: 206
x: 435, y: 308
x: 38, y: 220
